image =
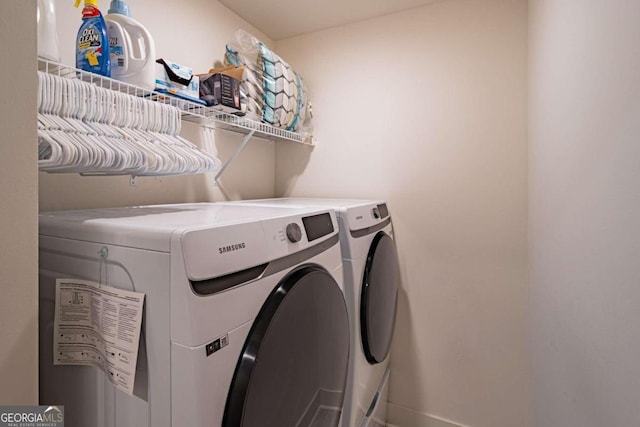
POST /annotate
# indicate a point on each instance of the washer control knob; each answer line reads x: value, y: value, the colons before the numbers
x: 294, y: 234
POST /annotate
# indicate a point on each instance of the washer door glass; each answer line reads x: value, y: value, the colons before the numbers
x: 293, y: 368
x: 379, y: 298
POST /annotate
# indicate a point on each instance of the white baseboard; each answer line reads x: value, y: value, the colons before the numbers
x: 404, y: 417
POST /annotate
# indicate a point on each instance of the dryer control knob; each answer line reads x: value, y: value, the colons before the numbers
x: 294, y: 234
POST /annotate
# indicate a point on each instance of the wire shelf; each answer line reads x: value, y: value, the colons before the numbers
x: 211, y: 117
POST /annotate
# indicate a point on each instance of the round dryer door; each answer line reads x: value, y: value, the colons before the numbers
x: 293, y: 368
x: 379, y: 298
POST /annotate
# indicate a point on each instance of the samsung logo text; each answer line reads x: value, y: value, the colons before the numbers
x: 231, y: 248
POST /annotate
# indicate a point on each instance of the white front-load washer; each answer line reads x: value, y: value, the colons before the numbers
x: 371, y: 280
x: 245, y: 322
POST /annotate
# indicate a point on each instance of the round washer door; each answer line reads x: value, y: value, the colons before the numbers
x: 293, y: 367
x: 379, y: 298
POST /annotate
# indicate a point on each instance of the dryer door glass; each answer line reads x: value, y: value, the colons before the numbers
x: 293, y: 368
x: 379, y: 298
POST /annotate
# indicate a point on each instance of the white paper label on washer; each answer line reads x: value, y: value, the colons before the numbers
x: 98, y: 325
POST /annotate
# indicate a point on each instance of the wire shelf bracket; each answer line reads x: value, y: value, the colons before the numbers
x: 224, y: 166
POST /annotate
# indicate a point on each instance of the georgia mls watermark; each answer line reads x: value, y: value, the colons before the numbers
x: 31, y: 416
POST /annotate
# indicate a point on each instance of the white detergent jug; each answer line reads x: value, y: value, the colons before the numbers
x: 133, y: 52
x: 47, y: 35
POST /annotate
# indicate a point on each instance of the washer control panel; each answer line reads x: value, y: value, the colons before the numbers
x: 290, y: 234
x: 369, y: 215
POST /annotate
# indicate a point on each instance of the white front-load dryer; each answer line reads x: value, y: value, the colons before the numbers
x: 245, y: 322
x: 371, y: 279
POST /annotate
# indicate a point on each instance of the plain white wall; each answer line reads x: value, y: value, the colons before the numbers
x: 585, y: 211
x: 19, y: 213
x: 193, y: 33
x: 427, y: 109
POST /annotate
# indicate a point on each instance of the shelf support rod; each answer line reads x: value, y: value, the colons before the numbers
x: 244, y: 142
